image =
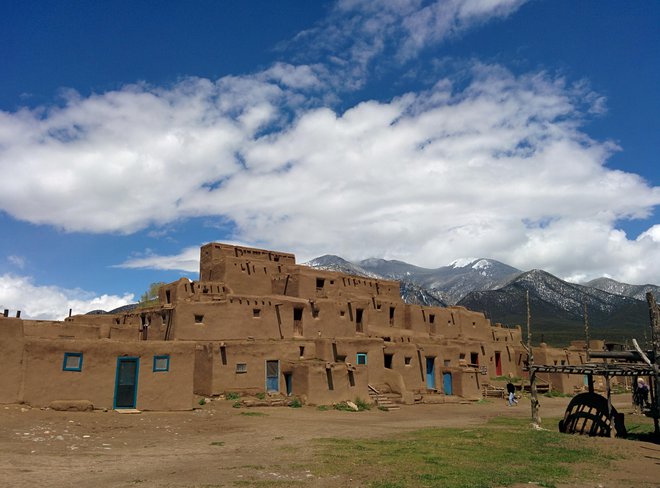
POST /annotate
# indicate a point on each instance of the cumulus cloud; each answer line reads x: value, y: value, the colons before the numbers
x: 494, y: 166
x: 52, y: 302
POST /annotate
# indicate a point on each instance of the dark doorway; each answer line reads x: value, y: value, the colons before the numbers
x: 126, y: 382
x: 297, y: 322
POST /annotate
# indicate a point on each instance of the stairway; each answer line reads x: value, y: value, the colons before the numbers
x: 384, y: 402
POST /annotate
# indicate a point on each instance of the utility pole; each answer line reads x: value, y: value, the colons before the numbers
x: 654, y: 316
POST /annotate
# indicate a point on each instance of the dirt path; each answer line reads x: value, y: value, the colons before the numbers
x: 220, y: 446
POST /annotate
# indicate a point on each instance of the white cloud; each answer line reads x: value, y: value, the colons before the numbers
x: 499, y: 168
x: 52, y: 302
x: 357, y: 32
x: 186, y: 260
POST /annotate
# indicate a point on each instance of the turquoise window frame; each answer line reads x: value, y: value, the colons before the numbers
x: 361, y: 358
x: 68, y: 355
x: 157, y: 369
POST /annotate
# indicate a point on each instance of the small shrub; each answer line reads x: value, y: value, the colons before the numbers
x: 236, y: 405
x: 261, y: 395
x: 253, y: 414
x: 202, y: 401
x: 323, y: 408
x: 232, y: 396
x: 217, y: 443
x: 295, y: 403
x: 362, y: 405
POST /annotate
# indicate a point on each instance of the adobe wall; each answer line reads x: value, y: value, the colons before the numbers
x: 328, y: 383
x: 45, y: 380
x: 11, y: 359
x: 241, y: 366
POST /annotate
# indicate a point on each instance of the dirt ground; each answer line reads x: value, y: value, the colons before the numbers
x: 218, y: 445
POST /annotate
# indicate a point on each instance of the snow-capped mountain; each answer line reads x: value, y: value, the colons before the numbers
x: 331, y: 262
x: 634, y: 291
x: 554, y: 302
x: 451, y: 282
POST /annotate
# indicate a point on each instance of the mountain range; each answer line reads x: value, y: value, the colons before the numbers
x: 615, y: 311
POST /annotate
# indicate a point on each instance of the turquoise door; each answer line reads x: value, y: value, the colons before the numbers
x: 126, y: 382
x: 272, y: 376
x: 446, y: 383
x: 430, y: 372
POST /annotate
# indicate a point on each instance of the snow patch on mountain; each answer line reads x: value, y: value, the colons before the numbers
x: 462, y: 262
x: 482, y: 264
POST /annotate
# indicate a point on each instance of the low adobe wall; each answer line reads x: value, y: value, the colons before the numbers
x: 45, y: 379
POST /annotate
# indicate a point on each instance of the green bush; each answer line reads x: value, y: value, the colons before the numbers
x: 261, y: 395
x: 232, y: 396
x: 236, y: 405
x: 362, y: 405
x: 295, y: 403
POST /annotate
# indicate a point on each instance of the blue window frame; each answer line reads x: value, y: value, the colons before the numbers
x: 162, y: 363
x: 361, y: 358
x: 73, y: 361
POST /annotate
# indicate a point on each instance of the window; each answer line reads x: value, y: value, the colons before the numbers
x: 358, y: 320
x: 162, y: 363
x: 256, y: 312
x: 408, y: 360
x: 241, y: 367
x: 320, y: 283
x: 361, y: 358
x: 72, y: 361
x: 199, y: 319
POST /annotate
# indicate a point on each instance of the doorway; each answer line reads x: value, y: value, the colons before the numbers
x: 126, y: 382
x: 430, y: 372
x: 446, y: 383
x: 288, y: 381
x: 272, y: 376
x: 498, y: 363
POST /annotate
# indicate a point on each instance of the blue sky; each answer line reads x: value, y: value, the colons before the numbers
x: 133, y: 132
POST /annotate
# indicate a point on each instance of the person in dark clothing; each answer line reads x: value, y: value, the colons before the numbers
x: 511, y: 390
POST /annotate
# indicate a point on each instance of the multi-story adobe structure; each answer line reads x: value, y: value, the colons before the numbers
x: 258, y: 322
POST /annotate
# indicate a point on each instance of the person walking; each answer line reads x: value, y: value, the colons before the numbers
x: 511, y: 390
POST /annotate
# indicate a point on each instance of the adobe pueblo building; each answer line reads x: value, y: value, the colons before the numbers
x: 256, y: 322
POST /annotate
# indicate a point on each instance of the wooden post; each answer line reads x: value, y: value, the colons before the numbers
x: 536, y: 418
x: 609, y: 403
x: 586, y: 331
